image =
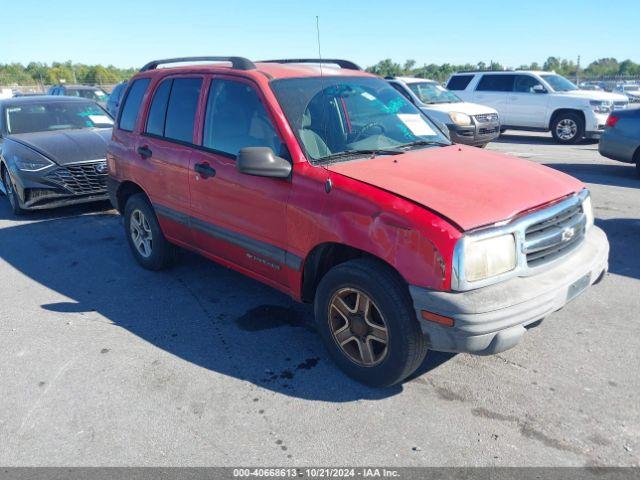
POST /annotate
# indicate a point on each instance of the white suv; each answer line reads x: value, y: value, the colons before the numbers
x: 467, y: 123
x: 539, y: 101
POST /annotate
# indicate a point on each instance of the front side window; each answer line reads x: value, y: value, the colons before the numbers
x: 131, y: 105
x: 339, y: 116
x: 559, y: 83
x: 496, y: 83
x: 433, y: 93
x: 236, y: 118
x: 525, y: 84
x: 64, y: 115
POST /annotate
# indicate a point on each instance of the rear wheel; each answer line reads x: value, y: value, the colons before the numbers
x: 146, y: 240
x: 12, y: 195
x: 367, y: 322
x: 567, y: 128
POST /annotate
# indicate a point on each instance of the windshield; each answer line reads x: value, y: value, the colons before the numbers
x: 338, y: 115
x: 432, y: 92
x: 559, y: 83
x: 43, y: 117
x: 96, y: 95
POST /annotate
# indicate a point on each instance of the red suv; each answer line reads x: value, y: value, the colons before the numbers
x: 324, y: 182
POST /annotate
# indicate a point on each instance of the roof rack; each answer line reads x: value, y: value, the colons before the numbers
x: 336, y: 61
x: 239, y: 63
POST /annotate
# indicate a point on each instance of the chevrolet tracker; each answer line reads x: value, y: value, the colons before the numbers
x: 324, y: 182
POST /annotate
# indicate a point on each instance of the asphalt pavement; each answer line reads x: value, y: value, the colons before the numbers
x: 105, y: 364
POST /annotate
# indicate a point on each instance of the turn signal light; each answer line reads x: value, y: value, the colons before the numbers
x: 434, y: 317
x: 612, y: 120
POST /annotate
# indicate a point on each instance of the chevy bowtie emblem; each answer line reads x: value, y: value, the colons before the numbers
x: 567, y: 234
x: 101, y: 167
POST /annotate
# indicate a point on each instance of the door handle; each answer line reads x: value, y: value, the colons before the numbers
x: 144, y: 151
x: 204, y: 170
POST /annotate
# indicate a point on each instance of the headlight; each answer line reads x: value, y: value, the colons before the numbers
x: 460, y: 118
x: 32, y: 164
x: 488, y: 257
x: 601, y: 106
x: 588, y: 211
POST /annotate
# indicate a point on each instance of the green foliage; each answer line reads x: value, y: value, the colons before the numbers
x: 605, y: 67
x: 43, y: 74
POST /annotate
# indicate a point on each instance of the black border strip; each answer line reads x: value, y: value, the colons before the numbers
x: 261, y: 249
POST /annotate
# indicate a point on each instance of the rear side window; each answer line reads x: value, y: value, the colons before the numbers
x: 181, y: 109
x: 131, y: 105
x: 496, y: 83
x: 459, y: 82
x: 158, y: 109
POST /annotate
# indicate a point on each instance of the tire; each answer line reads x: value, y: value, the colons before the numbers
x: 12, y: 195
x: 390, y: 307
x: 152, y: 251
x: 483, y: 145
x: 567, y: 128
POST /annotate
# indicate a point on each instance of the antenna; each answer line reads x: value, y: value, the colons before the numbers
x: 324, y: 100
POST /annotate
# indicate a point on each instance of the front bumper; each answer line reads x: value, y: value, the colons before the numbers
x: 474, y: 135
x: 494, y: 318
x: 60, y: 186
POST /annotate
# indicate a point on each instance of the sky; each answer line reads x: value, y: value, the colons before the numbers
x: 130, y: 33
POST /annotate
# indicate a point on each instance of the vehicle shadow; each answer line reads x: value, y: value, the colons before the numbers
x: 623, y: 235
x: 55, y: 213
x: 513, y: 137
x: 622, y: 175
x: 198, y: 311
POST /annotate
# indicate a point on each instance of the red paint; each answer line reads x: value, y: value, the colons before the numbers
x: 612, y: 120
x: 408, y: 210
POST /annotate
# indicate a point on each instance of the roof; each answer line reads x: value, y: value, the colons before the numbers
x: 17, y: 101
x: 79, y: 87
x: 413, y: 79
x: 270, y: 69
x: 511, y: 72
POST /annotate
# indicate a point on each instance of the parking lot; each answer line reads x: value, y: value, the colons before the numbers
x: 104, y: 363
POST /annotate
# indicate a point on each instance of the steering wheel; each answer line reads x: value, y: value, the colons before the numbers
x: 366, y: 128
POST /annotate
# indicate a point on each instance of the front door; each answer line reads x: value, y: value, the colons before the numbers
x: 239, y: 218
x: 528, y: 107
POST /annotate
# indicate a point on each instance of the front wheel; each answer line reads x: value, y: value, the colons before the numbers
x: 146, y: 240
x: 12, y: 194
x: 567, y: 128
x: 366, y: 319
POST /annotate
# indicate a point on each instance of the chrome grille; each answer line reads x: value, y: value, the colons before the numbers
x: 554, y: 236
x: 486, y: 117
x: 81, y: 178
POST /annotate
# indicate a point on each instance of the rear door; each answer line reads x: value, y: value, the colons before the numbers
x: 493, y: 89
x: 164, y: 152
x: 239, y: 218
x: 527, y: 108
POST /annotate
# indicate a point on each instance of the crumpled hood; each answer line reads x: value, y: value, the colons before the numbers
x: 68, y: 146
x: 467, y: 185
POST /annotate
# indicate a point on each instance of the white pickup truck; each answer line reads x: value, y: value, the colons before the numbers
x: 539, y: 101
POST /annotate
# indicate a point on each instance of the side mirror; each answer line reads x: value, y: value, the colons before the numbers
x: 262, y: 162
x: 539, y: 89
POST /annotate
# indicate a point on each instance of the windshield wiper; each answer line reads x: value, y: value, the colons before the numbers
x: 420, y: 143
x: 354, y: 153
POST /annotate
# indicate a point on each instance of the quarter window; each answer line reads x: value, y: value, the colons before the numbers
x: 459, y: 82
x: 131, y: 104
x: 236, y: 118
x: 496, y: 83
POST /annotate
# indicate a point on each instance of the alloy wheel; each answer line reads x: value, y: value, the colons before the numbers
x: 566, y: 129
x: 358, y: 327
x: 141, y: 233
